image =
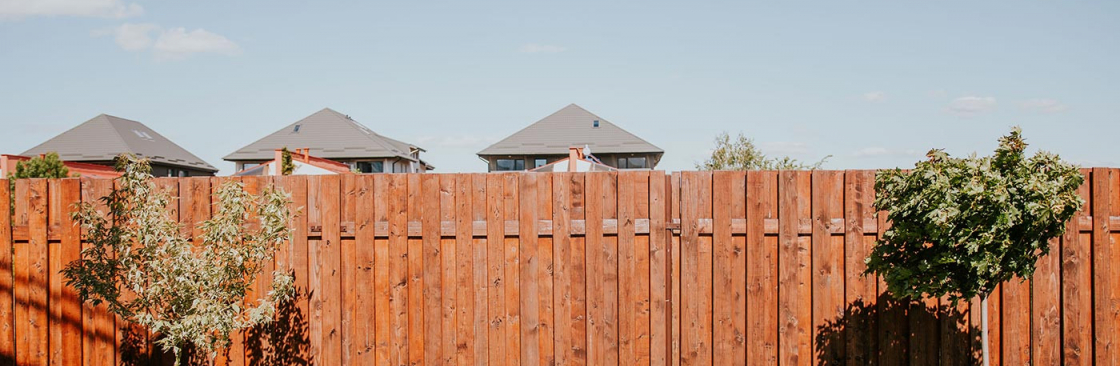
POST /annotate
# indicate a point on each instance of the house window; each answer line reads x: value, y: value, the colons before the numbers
x: 595, y: 124
x: 539, y: 163
x: 510, y: 164
x: 295, y: 129
x: 370, y: 166
x: 632, y: 163
x: 172, y: 172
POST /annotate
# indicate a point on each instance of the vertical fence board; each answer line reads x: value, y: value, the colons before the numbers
x: 728, y: 260
x: 859, y: 290
x: 578, y: 312
x: 417, y: 339
x: 362, y: 286
x: 31, y: 273
x: 545, y: 266
x: 1076, y: 268
x: 432, y: 264
x: 448, y: 256
x: 348, y: 267
x: 597, y: 329
x: 97, y: 323
x: 1104, y: 329
x: 481, y: 340
x: 827, y: 263
x: 1016, y: 321
x: 528, y: 262
x: 641, y: 306
x: 495, y: 263
x: 330, y: 277
x: 762, y: 270
x: 562, y: 268
x: 398, y: 269
x: 511, y: 200
x: 7, y: 283
x: 383, y: 287
x: 70, y: 317
x: 1046, y: 306
x: 627, y: 272
x: 463, y: 277
x: 793, y: 270
x: 659, y: 276
x: 315, y: 287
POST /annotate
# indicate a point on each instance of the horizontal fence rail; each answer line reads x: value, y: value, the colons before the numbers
x: 634, y: 267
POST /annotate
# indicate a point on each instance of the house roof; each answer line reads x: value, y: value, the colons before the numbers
x: 328, y: 134
x: 570, y: 126
x: 105, y: 137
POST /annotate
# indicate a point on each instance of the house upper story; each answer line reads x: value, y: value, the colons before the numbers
x: 331, y: 135
x: 550, y: 139
x: 102, y: 139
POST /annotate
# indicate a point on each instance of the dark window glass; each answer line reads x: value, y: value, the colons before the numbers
x: 621, y: 163
x: 637, y: 163
x: 510, y: 164
x: 539, y: 163
x: 371, y: 166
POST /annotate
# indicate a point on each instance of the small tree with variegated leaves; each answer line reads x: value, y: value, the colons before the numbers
x: 141, y: 265
x: 962, y: 226
x: 742, y: 154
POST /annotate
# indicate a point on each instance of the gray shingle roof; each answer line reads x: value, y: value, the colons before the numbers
x: 105, y: 137
x: 570, y: 126
x: 328, y: 134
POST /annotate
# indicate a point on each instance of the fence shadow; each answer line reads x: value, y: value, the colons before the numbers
x: 894, y: 332
x: 284, y: 341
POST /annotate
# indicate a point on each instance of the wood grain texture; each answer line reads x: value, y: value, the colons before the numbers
x: 1077, y: 300
x: 828, y: 262
x: 632, y: 267
x: 7, y: 316
x: 762, y: 270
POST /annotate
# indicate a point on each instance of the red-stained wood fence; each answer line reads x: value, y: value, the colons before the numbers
x: 688, y: 268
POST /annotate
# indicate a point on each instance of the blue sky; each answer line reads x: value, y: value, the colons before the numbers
x: 873, y: 83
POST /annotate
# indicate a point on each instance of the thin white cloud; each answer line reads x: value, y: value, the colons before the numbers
x: 874, y: 96
x: 16, y: 9
x: 541, y: 48
x: 169, y: 44
x: 178, y: 43
x: 971, y: 106
x: 1047, y: 106
x: 875, y: 151
x: 132, y: 37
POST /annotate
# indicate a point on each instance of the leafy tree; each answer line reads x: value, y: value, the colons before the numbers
x: 961, y: 226
x: 741, y: 154
x: 286, y: 166
x: 45, y: 166
x: 146, y: 271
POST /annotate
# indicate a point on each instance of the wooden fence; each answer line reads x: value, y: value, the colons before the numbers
x: 691, y: 268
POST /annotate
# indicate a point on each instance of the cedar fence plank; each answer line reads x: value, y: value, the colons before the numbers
x: 827, y: 263
x: 528, y: 262
x: 762, y: 270
x: 7, y: 283
x: 431, y: 265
